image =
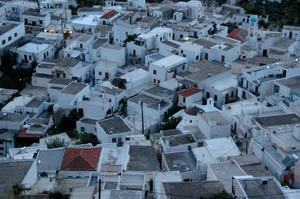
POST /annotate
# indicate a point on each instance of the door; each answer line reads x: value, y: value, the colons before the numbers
x: 106, y: 75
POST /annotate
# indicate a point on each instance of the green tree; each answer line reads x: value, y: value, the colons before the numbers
x: 88, y: 138
x: 171, y: 123
x: 130, y: 38
x: 55, y: 143
x: 18, y: 189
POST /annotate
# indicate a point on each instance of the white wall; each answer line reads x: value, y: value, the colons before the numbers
x: 12, y: 35
x: 31, y: 176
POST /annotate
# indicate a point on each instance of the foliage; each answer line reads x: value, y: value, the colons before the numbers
x: 66, y: 124
x: 231, y: 26
x: 221, y: 195
x: 213, y: 30
x: 130, y: 38
x: 17, y: 189
x: 55, y: 143
x: 56, y: 195
x: 13, y: 78
x: 263, y: 23
x: 44, y: 174
x: 171, y: 123
x: 88, y: 138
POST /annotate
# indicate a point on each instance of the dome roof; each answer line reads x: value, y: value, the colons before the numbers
x: 253, y: 20
x: 193, y: 110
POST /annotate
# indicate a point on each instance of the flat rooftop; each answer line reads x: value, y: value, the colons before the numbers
x: 34, y: 103
x: 175, y: 140
x: 73, y: 88
x: 108, y: 90
x: 214, y: 116
x: 180, y: 190
x: 88, y: 121
x: 206, y: 70
x: 160, y: 91
x: 61, y: 81
x: 277, y: 120
x: 180, y: 161
x: 224, y: 171
x: 255, y: 189
x: 67, y: 62
x: 149, y: 101
x: 114, y: 125
x: 205, y: 43
x: 98, y: 43
x: 7, y: 26
x: 142, y: 158
x: 170, y: 61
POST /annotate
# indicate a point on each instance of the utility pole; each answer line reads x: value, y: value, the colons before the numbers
x: 142, y: 110
x: 99, y: 195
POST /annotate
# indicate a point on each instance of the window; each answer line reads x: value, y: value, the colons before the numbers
x: 30, y: 57
x: 109, y: 100
x: 154, y: 72
x: 82, y: 129
x: 183, y: 99
x: 100, y: 73
x: 3, y: 42
x: 197, y: 57
x: 183, y: 67
x: 232, y: 93
x: 16, y: 34
x: 9, y: 38
x: 216, y: 98
x: 181, y: 36
x: 47, y: 53
x: 207, y: 95
x: 154, y: 80
x: 113, y: 140
x: 41, y: 22
x: 181, y: 51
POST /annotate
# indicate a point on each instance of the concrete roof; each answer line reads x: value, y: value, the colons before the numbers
x: 62, y: 81
x: 50, y: 159
x: 283, y: 43
x: 108, y: 90
x: 67, y: 62
x: 13, y: 171
x: 180, y: 190
x: 169, y: 61
x: 224, y: 171
x: 33, y: 48
x: 277, y: 120
x: 255, y: 189
x: 206, y: 70
x: 73, y: 88
x: 205, y: 43
x: 175, y: 140
x: 180, y: 161
x: 114, y: 125
x: 160, y: 91
x: 7, y: 26
x: 214, y: 116
x: 149, y: 101
x: 142, y: 158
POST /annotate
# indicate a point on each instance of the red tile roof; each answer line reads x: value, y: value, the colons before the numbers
x: 239, y: 34
x: 189, y: 92
x: 81, y: 159
x: 109, y: 14
x: 23, y: 134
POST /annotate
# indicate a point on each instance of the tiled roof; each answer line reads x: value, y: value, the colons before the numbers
x: 23, y: 134
x: 238, y: 34
x: 189, y: 92
x: 109, y: 14
x: 81, y: 159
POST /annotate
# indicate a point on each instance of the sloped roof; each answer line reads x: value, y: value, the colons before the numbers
x: 239, y: 34
x: 189, y: 92
x: 81, y: 159
x: 109, y: 14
